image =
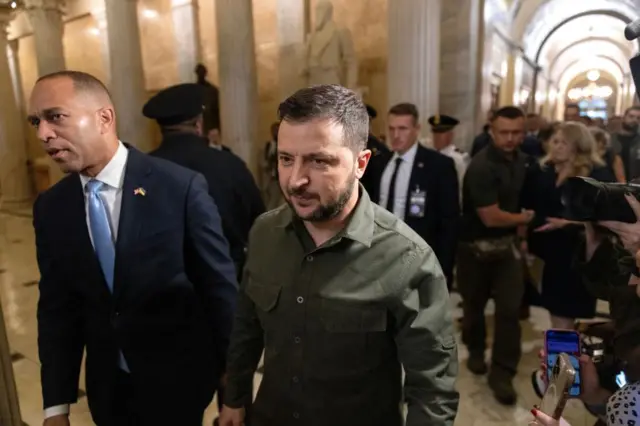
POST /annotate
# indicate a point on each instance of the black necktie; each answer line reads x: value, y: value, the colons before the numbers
x: 391, y: 198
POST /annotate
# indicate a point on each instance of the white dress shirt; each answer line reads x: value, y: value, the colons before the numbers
x: 461, y: 160
x: 402, y: 180
x: 113, y: 178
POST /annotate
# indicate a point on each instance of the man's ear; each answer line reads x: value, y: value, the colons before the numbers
x: 106, y: 119
x: 362, y: 161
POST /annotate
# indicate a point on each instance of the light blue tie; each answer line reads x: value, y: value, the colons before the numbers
x: 102, y: 239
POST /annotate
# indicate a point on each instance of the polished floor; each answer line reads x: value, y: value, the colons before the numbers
x: 19, y: 295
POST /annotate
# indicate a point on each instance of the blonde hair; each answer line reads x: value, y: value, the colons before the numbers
x: 584, y: 145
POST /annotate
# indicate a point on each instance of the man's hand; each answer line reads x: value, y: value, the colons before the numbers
x: 629, y: 233
x: 232, y: 416
x: 527, y: 216
x: 61, y: 420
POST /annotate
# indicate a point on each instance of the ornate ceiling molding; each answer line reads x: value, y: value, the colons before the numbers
x: 57, y: 5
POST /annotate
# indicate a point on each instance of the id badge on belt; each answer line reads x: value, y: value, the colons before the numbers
x: 417, y: 203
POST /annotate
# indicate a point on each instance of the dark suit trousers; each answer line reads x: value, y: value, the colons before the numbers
x: 126, y: 412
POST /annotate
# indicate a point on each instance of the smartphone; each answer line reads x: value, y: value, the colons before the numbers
x: 562, y: 377
x: 558, y: 341
x: 621, y: 379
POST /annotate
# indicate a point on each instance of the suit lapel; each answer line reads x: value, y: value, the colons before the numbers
x: 133, y: 211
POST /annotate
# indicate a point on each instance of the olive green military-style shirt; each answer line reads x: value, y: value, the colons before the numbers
x: 491, y: 178
x: 338, y: 322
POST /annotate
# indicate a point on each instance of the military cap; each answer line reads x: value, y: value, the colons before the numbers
x: 441, y: 123
x: 371, y: 111
x: 175, y: 104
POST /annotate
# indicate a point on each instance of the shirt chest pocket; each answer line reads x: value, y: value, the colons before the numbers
x: 345, y: 317
x: 353, y: 335
x: 265, y: 297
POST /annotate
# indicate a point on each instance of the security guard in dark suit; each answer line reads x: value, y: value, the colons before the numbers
x: 419, y: 185
x: 179, y: 113
x: 374, y: 145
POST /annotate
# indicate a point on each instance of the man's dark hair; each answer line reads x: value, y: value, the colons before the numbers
x: 509, y: 112
x: 632, y: 108
x: 532, y: 115
x: 333, y: 102
x: 576, y: 106
x: 405, y: 108
x: 82, y: 82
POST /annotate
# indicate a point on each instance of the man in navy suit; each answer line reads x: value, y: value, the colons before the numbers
x: 134, y: 268
x: 419, y: 185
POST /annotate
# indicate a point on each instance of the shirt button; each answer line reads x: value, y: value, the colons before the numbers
x: 309, y: 258
x: 295, y: 379
x: 296, y: 339
x: 296, y: 415
x: 300, y: 299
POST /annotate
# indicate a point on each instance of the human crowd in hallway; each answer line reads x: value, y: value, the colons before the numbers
x: 320, y: 159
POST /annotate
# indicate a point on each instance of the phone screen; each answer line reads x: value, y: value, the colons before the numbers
x: 559, y: 341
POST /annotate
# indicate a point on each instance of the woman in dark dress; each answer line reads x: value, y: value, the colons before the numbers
x: 572, y: 152
x: 605, y: 151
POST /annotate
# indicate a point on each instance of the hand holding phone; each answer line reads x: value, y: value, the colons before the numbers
x: 562, y: 379
x: 557, y: 341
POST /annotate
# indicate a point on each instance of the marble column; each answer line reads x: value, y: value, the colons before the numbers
x: 46, y: 20
x: 237, y: 78
x: 413, y: 69
x: 461, y: 52
x: 127, y: 73
x: 509, y: 83
x: 14, y: 69
x: 14, y: 177
x: 100, y: 15
x: 186, y: 26
x: 291, y: 34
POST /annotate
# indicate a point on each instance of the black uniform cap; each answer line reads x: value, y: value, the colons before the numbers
x: 442, y: 123
x: 371, y: 111
x: 176, y: 104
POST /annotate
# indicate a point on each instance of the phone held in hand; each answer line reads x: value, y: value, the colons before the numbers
x: 557, y: 341
x: 561, y: 382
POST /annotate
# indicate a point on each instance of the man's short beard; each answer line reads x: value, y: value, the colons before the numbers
x: 326, y: 212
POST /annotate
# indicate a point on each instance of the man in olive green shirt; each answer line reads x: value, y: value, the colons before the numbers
x: 339, y: 293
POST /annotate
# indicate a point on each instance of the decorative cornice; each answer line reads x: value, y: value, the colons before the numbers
x: 57, y: 5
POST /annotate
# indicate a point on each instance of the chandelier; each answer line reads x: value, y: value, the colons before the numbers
x: 591, y: 91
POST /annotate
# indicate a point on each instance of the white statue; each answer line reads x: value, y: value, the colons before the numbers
x: 329, y: 53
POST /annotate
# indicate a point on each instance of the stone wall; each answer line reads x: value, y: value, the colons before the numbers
x: 83, y: 50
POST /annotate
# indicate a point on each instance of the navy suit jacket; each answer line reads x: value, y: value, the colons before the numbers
x: 174, y: 296
x: 435, y: 174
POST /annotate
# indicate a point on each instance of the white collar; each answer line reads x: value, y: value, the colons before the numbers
x: 113, y: 173
x: 448, y: 149
x: 408, y: 156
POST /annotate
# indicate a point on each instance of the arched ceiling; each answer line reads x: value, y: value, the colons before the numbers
x: 602, y: 64
x: 584, y: 51
x: 588, y: 26
x: 569, y: 37
x: 536, y: 19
